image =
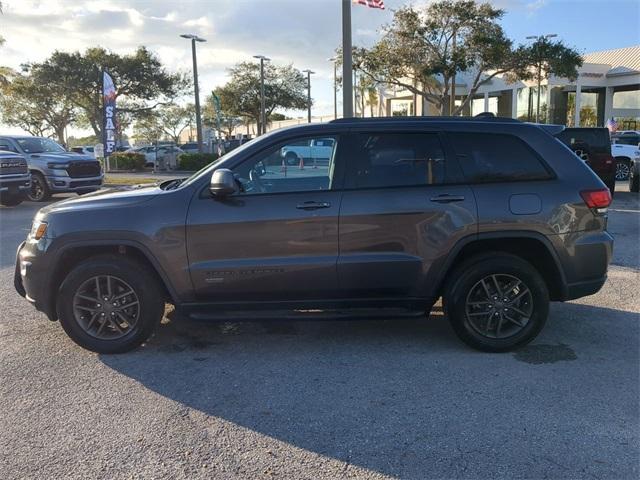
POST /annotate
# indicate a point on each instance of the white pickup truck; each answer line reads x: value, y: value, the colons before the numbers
x: 317, y: 151
x: 625, y: 150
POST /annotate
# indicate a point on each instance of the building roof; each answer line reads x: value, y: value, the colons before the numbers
x: 622, y: 60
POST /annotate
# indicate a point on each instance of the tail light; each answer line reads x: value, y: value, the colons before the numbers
x: 598, y: 199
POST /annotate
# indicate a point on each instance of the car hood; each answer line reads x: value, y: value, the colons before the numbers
x: 106, y: 198
x: 62, y: 157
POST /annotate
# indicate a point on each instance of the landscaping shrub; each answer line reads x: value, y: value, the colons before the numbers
x: 195, y: 161
x: 127, y: 161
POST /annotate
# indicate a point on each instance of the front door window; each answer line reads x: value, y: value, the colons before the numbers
x: 300, y: 165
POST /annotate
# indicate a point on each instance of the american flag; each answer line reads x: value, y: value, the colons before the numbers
x: 612, y: 125
x: 371, y: 3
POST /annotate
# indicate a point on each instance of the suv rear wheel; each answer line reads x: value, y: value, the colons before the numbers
x: 496, y: 302
x: 110, y: 304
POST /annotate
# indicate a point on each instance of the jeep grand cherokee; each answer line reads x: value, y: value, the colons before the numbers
x: 494, y: 216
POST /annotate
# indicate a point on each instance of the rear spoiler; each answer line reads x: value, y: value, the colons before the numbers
x: 553, y: 129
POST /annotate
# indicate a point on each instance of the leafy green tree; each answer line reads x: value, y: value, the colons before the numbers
x: 285, y: 88
x: 142, y: 83
x: 32, y: 105
x: 165, y: 122
x: 223, y: 121
x: 425, y: 47
x: 147, y: 129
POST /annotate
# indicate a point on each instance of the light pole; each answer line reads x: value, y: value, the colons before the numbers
x: 335, y: 86
x: 309, y: 73
x: 347, y: 86
x: 263, y: 121
x: 194, y: 39
x: 539, y: 39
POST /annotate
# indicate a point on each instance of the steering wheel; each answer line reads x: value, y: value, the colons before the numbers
x: 256, y: 182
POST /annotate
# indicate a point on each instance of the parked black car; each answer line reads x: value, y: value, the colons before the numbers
x: 15, y: 180
x: 494, y: 216
x: 593, y: 145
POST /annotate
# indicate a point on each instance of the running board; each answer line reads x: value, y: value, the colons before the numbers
x: 351, y: 314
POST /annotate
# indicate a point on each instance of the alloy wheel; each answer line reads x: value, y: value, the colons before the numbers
x: 106, y: 307
x: 499, y: 306
x: 622, y: 171
x: 37, y: 191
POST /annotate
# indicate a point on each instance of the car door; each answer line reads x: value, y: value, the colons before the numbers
x: 402, y: 211
x: 276, y: 239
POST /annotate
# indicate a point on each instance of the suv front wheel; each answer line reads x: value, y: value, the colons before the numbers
x: 39, y: 189
x: 496, y: 302
x: 110, y: 304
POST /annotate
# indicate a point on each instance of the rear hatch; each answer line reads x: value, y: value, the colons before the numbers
x: 593, y: 146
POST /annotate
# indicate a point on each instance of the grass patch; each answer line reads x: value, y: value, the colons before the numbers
x: 132, y: 180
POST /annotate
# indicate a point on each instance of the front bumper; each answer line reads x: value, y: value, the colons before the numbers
x: 69, y: 184
x: 31, y: 274
x: 15, y: 183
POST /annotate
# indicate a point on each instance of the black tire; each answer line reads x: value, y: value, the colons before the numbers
x: 462, y: 283
x: 634, y: 182
x: 292, y: 159
x: 11, y: 200
x: 622, y: 169
x: 611, y: 185
x: 39, y: 191
x: 141, y: 280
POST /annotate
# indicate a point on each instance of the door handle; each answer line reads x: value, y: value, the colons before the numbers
x: 447, y: 198
x: 313, y: 205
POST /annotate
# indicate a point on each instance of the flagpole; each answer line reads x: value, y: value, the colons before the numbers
x: 347, y: 85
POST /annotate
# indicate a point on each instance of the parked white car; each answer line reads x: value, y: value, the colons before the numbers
x: 625, y: 149
x: 166, y: 156
x: 318, y: 151
x: 85, y: 150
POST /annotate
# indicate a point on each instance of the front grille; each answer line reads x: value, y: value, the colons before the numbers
x: 13, y: 166
x: 84, y: 169
x: 85, y: 183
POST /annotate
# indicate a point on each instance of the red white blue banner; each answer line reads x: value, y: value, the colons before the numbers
x: 109, y: 114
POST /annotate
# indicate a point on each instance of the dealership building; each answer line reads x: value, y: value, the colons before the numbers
x: 608, y: 85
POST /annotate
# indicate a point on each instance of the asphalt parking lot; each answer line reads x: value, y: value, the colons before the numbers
x: 340, y: 399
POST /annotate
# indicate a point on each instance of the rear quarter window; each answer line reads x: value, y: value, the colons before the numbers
x: 488, y: 157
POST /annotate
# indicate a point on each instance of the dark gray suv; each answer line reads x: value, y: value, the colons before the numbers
x: 494, y: 216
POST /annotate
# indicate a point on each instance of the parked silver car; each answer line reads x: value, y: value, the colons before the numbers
x: 53, y: 169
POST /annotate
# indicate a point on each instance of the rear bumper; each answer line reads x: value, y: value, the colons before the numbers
x: 585, y: 263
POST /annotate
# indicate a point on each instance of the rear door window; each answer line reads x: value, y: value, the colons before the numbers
x: 396, y: 159
x: 488, y: 157
x: 595, y: 139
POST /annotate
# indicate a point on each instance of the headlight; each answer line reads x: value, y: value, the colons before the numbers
x: 59, y: 173
x: 58, y: 166
x: 38, y: 230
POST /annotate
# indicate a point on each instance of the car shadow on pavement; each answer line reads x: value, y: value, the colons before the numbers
x: 405, y: 397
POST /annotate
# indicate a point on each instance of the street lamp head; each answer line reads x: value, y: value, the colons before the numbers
x: 262, y: 57
x: 310, y: 72
x: 332, y: 59
x: 190, y: 36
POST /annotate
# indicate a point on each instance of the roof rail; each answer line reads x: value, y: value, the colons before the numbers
x: 483, y: 117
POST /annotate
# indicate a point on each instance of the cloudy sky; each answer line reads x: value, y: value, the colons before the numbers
x: 302, y: 32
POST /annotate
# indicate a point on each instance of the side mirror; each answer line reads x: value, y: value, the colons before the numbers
x: 223, y: 183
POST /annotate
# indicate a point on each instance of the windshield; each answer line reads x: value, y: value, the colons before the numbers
x: 209, y: 168
x: 39, y: 145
